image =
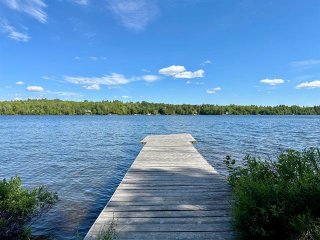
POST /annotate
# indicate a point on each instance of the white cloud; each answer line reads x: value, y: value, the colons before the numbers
x: 213, y: 90
x: 272, y: 82
x: 92, y: 87
x: 305, y: 63
x: 127, y: 97
x: 134, y: 14
x: 67, y: 94
x: 206, y: 62
x: 13, y: 33
x: 196, y: 83
x: 81, y: 2
x: 310, y: 85
x: 19, y: 83
x: 172, y: 70
x: 188, y: 74
x: 113, y: 79
x: 47, y: 77
x: 150, y: 78
x: 35, y: 89
x: 181, y: 72
x: 34, y: 8
x: 92, y: 58
x: 200, y: 83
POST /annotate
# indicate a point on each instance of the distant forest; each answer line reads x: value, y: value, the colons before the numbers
x: 59, y: 107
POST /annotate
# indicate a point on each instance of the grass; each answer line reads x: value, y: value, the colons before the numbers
x: 108, y: 233
x: 277, y: 199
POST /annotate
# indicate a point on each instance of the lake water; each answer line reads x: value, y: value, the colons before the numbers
x: 84, y: 158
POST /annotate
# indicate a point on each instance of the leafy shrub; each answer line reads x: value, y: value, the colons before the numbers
x: 277, y: 199
x: 18, y: 206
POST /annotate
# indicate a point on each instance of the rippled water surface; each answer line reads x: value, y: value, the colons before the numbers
x: 84, y: 158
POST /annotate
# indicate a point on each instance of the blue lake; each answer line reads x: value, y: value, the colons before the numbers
x: 84, y: 158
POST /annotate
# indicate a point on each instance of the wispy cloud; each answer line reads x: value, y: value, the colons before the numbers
x: 134, y: 14
x: 94, y: 58
x: 127, y: 97
x: 81, y: 2
x: 19, y: 83
x: 214, y: 90
x: 196, y: 83
x: 150, y: 78
x: 109, y: 80
x: 310, y: 85
x: 181, y: 72
x: 33, y: 8
x: 47, y: 77
x: 206, y: 62
x: 67, y: 94
x: 272, y: 82
x: 35, y: 89
x: 112, y: 80
x: 13, y: 33
x: 305, y: 63
x: 93, y: 87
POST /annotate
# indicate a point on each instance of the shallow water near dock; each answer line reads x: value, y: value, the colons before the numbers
x: 84, y: 158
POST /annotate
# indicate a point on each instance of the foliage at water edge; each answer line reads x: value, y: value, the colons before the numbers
x: 277, y: 199
x: 20, y: 206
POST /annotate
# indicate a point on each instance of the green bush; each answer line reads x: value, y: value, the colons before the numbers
x: 277, y: 199
x: 18, y: 206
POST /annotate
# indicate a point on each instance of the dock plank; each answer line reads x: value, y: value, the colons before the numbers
x: 169, y: 192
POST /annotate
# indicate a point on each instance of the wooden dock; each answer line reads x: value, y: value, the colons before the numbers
x: 169, y: 192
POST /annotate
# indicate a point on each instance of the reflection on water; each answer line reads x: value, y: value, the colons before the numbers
x: 84, y: 158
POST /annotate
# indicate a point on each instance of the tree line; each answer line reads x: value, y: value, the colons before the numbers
x: 59, y: 107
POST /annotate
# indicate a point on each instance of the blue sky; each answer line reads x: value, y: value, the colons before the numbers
x: 174, y: 51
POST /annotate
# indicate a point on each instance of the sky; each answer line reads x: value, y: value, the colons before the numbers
x: 262, y: 52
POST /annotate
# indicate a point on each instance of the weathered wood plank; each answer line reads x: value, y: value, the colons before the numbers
x: 176, y: 235
x: 173, y: 207
x: 220, y: 196
x: 167, y: 214
x: 166, y: 202
x: 170, y: 192
x: 190, y: 220
x: 184, y: 227
x: 173, y: 235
